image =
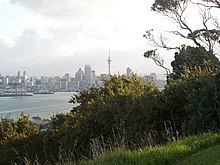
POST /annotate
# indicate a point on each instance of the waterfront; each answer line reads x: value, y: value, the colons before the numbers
x: 43, y: 105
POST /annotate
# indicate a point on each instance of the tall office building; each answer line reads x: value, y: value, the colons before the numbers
x: 24, y: 78
x: 88, y: 71
x: 79, y: 75
x: 19, y: 74
x: 93, y: 77
x: 18, y: 79
x: 128, y: 72
x: 67, y: 77
x: 24, y: 74
x: 6, y: 80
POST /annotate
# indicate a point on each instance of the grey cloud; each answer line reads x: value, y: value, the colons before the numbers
x: 28, y: 50
x: 28, y: 45
x: 81, y: 21
x: 4, y: 50
x: 34, y: 5
x: 86, y: 28
x: 65, y: 9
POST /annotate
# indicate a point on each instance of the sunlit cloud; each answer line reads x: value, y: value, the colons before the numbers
x: 79, y: 32
x: 4, y: 1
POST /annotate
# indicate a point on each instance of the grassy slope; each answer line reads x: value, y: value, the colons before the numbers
x: 210, y: 156
x: 161, y: 155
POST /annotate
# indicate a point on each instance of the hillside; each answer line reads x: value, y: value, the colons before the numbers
x: 203, y: 149
x: 210, y: 156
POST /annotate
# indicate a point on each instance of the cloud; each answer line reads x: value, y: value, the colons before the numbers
x: 32, y: 4
x: 62, y: 36
x: 2, y: 2
x: 88, y: 24
x: 3, y: 49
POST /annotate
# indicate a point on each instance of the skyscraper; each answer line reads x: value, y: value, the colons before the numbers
x: 93, y: 77
x: 79, y: 78
x: 67, y: 77
x: 128, y: 72
x: 19, y: 74
x: 109, y: 64
x: 79, y: 75
x: 88, y: 71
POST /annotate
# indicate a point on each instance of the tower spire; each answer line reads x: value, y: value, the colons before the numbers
x: 109, y: 63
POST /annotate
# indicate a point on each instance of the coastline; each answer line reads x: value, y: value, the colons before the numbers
x: 43, y: 105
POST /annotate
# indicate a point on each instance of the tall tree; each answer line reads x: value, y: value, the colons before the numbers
x: 193, y: 61
x: 205, y: 36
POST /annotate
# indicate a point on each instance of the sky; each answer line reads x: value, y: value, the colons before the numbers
x: 54, y: 37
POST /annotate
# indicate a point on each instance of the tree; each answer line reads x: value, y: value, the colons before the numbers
x: 24, y: 126
x: 193, y: 62
x: 118, y: 112
x: 157, y: 59
x: 176, y: 10
x: 18, y: 138
x: 205, y: 36
x: 203, y: 109
x: 7, y: 130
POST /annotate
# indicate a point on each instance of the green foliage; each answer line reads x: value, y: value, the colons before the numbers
x: 167, y: 154
x: 204, y: 109
x: 16, y: 138
x: 192, y: 62
x: 208, y: 156
x: 126, y: 113
x: 170, y: 109
x: 25, y: 128
x: 213, y: 34
x: 7, y: 130
x: 122, y: 106
x: 166, y: 5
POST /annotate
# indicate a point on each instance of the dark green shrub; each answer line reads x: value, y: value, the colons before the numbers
x: 204, y: 109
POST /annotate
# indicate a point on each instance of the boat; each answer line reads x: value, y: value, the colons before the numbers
x: 44, y: 92
x: 13, y: 90
x: 9, y: 94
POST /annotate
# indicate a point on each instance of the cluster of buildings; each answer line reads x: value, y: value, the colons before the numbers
x: 83, y: 78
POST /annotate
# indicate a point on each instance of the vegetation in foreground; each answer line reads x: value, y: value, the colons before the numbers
x: 208, y: 156
x: 177, y: 152
x: 127, y: 112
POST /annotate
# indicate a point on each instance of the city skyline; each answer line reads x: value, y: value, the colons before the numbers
x: 82, y: 79
x: 127, y: 71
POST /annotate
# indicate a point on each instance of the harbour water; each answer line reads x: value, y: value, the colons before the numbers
x: 43, y: 105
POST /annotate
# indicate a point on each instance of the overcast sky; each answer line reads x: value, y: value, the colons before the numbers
x: 54, y: 37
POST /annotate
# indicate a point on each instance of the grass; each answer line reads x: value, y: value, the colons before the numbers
x: 162, y: 155
x: 210, y: 156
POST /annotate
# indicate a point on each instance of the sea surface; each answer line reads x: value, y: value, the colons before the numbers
x: 43, y: 105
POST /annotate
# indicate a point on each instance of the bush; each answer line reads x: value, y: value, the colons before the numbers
x: 204, y: 110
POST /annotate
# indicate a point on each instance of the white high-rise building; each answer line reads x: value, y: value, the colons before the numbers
x: 6, y: 80
x: 93, y: 77
x: 67, y: 77
x: 128, y: 72
x: 19, y: 74
x: 79, y: 75
x: 88, y: 71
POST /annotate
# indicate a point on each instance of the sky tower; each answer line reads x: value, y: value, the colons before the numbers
x: 109, y: 64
